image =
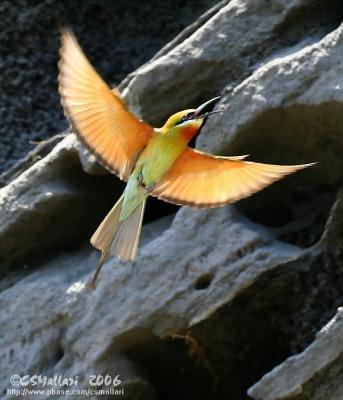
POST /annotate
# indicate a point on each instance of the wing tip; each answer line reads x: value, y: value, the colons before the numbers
x: 309, y: 164
x: 268, y: 174
x: 69, y: 44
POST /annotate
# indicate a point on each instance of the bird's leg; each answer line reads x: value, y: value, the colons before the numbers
x: 140, y: 179
x: 149, y: 187
x: 141, y: 182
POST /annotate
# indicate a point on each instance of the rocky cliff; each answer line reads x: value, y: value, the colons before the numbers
x: 239, y: 302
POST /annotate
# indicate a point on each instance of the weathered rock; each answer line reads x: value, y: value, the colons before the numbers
x: 217, y: 56
x: 118, y: 36
x: 51, y: 204
x: 217, y: 298
x: 314, y: 374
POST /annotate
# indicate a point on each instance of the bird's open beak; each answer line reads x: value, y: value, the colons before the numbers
x: 198, y: 113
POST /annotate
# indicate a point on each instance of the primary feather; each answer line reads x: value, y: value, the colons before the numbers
x: 100, y: 118
x: 202, y: 180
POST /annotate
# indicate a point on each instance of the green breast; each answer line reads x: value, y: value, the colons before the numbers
x: 160, y: 154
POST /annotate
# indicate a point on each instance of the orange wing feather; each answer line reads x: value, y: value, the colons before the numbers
x: 201, y: 180
x: 98, y: 115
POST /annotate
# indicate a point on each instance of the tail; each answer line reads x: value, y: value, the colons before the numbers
x: 117, y: 238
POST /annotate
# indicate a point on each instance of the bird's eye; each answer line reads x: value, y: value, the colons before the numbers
x: 186, y: 117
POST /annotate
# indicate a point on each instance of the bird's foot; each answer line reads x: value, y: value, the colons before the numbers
x: 149, y: 187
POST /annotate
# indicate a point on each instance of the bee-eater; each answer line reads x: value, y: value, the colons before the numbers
x: 153, y: 161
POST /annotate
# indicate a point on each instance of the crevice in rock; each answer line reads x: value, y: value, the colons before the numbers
x: 67, y: 217
x: 59, y: 354
x: 63, y: 219
x: 273, y: 319
x: 295, y: 209
x: 307, y: 19
x: 109, y: 30
x: 53, y: 356
x: 156, y: 209
x: 204, y: 281
x: 41, y: 150
x: 221, y: 357
x: 302, y: 26
x: 174, y: 365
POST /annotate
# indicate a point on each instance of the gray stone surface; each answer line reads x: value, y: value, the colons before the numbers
x: 118, y: 35
x: 215, y: 56
x: 216, y: 298
x: 314, y: 374
x: 40, y: 209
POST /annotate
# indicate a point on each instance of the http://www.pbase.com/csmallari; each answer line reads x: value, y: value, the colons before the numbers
x: 154, y: 161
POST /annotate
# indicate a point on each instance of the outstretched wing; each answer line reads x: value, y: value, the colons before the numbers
x: 98, y: 115
x: 201, y: 180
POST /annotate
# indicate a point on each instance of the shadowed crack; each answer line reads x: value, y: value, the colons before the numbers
x: 295, y: 209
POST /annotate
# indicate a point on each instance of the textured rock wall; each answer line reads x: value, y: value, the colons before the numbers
x: 119, y: 36
x: 238, y: 301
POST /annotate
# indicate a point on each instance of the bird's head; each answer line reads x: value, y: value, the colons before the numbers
x: 190, y: 121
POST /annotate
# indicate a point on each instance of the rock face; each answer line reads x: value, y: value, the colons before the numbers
x: 313, y: 374
x: 118, y: 36
x: 218, y: 301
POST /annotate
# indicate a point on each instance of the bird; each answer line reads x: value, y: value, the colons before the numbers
x: 153, y: 161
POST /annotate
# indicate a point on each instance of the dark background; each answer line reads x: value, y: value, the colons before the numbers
x: 118, y: 36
